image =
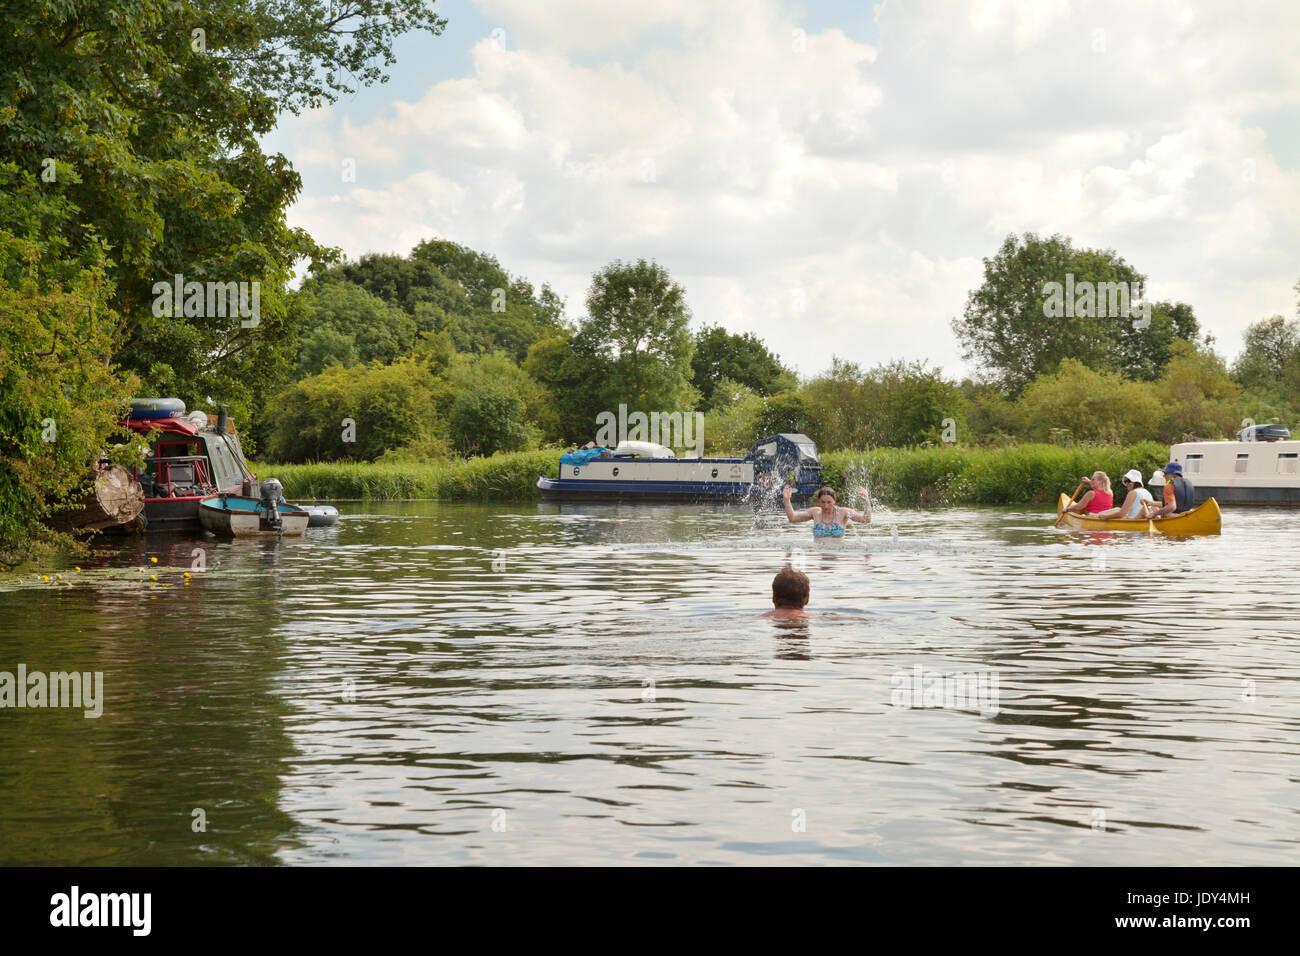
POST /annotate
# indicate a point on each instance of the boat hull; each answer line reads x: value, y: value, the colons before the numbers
x: 1203, y: 519
x: 570, y: 489
x: 234, y: 516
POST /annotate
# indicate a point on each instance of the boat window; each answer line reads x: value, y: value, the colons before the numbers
x: 1242, y: 462
x: 1194, y: 464
x: 1286, y: 464
x: 807, y: 450
x: 767, y: 450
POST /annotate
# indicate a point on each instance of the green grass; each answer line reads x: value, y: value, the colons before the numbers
x: 943, y: 475
x: 509, y: 477
x: 1013, y: 475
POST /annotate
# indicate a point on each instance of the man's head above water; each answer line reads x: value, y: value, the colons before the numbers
x: 790, y: 589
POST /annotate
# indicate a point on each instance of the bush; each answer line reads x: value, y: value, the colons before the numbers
x: 389, y: 406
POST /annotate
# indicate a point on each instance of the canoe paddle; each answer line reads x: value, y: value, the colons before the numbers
x: 1061, y: 516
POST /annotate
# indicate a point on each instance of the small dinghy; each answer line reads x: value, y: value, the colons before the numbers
x: 243, y: 516
x: 321, y: 516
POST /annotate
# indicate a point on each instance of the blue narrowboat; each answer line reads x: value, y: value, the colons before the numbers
x: 641, y: 471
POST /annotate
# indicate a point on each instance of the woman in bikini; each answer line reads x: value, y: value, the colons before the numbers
x: 828, y: 518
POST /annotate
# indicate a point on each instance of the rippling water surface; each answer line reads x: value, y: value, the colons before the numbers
x: 436, y: 684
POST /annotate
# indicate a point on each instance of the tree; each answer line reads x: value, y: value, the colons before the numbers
x: 731, y: 425
x: 59, y: 392
x: 784, y: 412
x: 573, y: 383
x: 447, y: 287
x: 357, y: 413
x: 638, y: 321
x: 1089, y: 405
x: 1017, y: 325
x: 1200, y: 399
x: 1146, y: 348
x: 895, y: 404
x: 146, y: 116
x: 741, y: 359
x: 347, y: 322
x: 489, y: 419
x: 1270, y: 356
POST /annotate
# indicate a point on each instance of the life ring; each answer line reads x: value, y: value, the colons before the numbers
x: 150, y: 409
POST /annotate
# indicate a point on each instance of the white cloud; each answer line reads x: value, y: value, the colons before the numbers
x: 761, y: 166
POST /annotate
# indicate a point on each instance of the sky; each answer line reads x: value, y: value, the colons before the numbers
x: 830, y: 175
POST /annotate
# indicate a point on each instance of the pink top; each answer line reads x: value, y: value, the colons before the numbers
x: 1101, y: 500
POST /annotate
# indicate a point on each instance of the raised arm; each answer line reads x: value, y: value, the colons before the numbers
x: 863, y: 516
x: 794, y: 516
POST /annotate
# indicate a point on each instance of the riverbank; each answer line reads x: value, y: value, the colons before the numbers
x: 944, y: 475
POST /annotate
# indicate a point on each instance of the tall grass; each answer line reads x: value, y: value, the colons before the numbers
x: 1012, y: 475
x: 943, y: 475
x: 510, y: 477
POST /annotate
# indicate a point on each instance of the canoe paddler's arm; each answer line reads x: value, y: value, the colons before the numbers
x: 794, y: 516
x: 1082, y: 503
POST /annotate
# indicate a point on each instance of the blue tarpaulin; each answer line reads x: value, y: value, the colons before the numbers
x: 581, y: 456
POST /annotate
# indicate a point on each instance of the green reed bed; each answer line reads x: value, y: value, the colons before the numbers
x: 943, y: 475
x: 511, y: 477
x: 1012, y: 475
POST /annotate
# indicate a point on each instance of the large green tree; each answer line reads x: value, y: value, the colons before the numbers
x: 1043, y: 301
x: 349, y: 325
x: 146, y: 115
x: 1269, y: 368
x: 742, y: 359
x: 446, y: 287
x: 637, y: 320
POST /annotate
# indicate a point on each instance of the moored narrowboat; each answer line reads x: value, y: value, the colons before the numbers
x: 1261, y: 468
x: 189, y: 459
x: 641, y: 471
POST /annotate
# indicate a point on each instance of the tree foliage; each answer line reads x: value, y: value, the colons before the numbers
x: 740, y: 359
x: 637, y: 322
x: 1014, y: 329
x: 59, y: 392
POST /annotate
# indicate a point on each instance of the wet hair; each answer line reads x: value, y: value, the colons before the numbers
x: 790, y: 588
x: 826, y: 491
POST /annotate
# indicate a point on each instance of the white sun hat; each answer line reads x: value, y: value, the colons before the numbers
x: 1134, y: 476
x: 1157, y: 476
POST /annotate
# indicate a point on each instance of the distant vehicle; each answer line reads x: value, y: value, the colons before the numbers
x: 642, y: 471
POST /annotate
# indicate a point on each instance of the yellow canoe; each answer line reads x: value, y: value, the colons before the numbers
x: 1205, y: 518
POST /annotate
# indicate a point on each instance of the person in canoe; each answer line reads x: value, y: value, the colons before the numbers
x: 1179, y: 494
x: 790, y: 590
x: 1135, y: 499
x: 828, y: 518
x: 1095, y: 499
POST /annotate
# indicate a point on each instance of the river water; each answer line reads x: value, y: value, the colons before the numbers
x: 432, y: 683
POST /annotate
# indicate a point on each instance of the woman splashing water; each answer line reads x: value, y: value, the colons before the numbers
x: 828, y: 518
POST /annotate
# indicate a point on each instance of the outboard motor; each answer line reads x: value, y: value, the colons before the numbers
x: 272, y: 493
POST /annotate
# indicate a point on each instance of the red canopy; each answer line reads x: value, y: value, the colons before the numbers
x: 178, y: 426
